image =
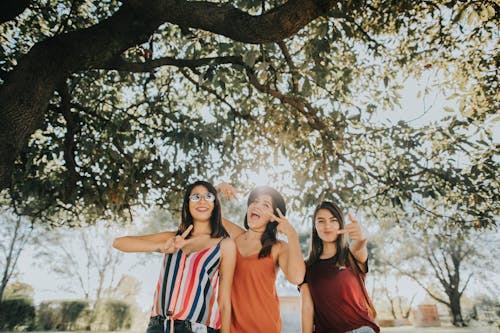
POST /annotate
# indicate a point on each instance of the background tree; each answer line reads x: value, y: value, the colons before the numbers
x: 83, y: 259
x: 16, y: 232
x: 109, y: 105
x: 441, y: 260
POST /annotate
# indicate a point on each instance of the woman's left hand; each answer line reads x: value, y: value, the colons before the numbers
x: 228, y: 191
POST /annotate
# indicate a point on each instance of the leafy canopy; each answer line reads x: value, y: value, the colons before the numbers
x: 131, y: 119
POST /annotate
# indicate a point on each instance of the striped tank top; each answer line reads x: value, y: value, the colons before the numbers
x: 188, y: 287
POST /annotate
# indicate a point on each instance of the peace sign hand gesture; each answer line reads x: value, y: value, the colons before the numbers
x: 173, y: 244
x: 284, y: 226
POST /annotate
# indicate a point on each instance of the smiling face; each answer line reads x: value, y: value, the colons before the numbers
x: 326, y: 225
x: 201, y: 210
x: 259, y: 212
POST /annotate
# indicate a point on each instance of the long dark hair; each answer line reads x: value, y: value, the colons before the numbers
x: 268, y: 238
x: 316, y: 246
x: 216, y: 228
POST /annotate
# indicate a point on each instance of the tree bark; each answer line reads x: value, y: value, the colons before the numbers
x: 25, y: 94
x: 456, y: 310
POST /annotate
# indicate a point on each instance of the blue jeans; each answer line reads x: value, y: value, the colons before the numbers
x: 362, y: 329
x: 156, y: 325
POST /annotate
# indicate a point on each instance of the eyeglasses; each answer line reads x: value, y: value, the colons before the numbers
x: 197, y: 196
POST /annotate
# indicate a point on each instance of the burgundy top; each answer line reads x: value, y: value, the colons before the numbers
x: 339, y: 304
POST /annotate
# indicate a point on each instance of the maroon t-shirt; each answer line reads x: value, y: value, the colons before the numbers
x: 339, y: 304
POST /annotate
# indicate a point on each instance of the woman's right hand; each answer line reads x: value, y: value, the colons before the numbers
x: 173, y: 244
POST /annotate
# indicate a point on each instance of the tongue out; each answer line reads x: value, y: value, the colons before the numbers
x: 254, y: 216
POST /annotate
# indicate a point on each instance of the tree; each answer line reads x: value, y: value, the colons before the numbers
x: 108, y: 105
x: 442, y: 260
x: 84, y: 258
x: 15, y: 235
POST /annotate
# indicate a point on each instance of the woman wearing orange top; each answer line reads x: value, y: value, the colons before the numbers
x: 254, y: 301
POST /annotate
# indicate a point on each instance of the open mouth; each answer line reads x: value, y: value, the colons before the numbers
x: 202, y: 209
x: 254, y: 215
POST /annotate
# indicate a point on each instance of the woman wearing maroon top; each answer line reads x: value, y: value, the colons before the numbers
x: 333, y: 299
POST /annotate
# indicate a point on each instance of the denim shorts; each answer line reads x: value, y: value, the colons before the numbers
x: 157, y: 325
x: 362, y: 329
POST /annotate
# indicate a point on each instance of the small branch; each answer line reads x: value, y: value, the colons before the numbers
x: 72, y: 129
x: 210, y: 91
x: 291, y: 65
x: 149, y: 66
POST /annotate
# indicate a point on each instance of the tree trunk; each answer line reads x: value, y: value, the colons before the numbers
x: 25, y: 94
x: 456, y: 310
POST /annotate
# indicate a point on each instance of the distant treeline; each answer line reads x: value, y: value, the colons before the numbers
x: 67, y: 315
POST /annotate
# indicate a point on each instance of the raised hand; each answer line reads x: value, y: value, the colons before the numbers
x: 228, y: 191
x: 284, y: 226
x: 353, y: 229
x: 173, y: 244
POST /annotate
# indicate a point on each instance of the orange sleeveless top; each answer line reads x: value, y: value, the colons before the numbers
x: 254, y: 301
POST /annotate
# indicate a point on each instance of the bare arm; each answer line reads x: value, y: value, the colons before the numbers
x: 291, y: 260
x: 228, y: 263
x: 229, y: 193
x: 307, y: 309
x: 358, y: 239
x: 145, y: 243
x: 233, y: 229
x: 359, y: 250
x: 290, y: 257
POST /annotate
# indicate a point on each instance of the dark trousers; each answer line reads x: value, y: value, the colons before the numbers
x: 157, y: 325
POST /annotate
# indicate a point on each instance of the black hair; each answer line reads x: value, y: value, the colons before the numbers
x: 216, y: 228
x: 316, y: 245
x: 268, y: 238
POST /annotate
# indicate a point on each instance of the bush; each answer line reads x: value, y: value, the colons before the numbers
x: 113, y: 315
x: 16, y: 314
x: 60, y: 315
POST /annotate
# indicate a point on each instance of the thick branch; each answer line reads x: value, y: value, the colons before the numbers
x: 9, y: 9
x: 72, y: 128
x: 25, y: 94
x: 224, y: 19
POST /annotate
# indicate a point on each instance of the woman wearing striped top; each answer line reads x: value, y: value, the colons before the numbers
x: 194, y: 287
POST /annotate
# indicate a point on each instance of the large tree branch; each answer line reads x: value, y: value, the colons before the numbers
x: 9, y: 9
x: 25, y: 94
x: 224, y: 19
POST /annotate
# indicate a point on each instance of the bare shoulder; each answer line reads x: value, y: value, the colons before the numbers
x: 227, y: 245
